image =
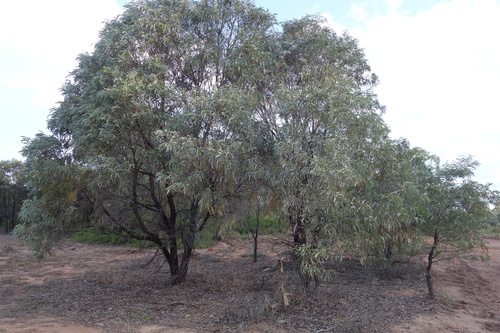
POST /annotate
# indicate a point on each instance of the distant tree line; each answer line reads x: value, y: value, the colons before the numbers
x: 13, y: 191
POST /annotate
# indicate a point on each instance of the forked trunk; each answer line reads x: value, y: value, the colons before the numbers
x: 179, y: 273
x: 172, y: 259
x: 174, y: 273
x: 178, y: 270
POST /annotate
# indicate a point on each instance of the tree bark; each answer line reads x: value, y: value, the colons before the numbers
x: 430, y: 283
x: 430, y: 260
x: 188, y: 243
x: 299, y: 235
x: 388, y: 251
x: 255, y: 235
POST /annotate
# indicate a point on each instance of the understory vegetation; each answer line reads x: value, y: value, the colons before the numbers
x: 94, y: 236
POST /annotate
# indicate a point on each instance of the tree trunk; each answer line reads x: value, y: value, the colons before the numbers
x: 255, y: 244
x: 299, y: 234
x: 178, y: 272
x: 430, y: 260
x: 180, y: 275
x: 256, y: 235
x: 388, y: 251
x: 175, y: 273
x: 172, y: 259
x: 174, y: 267
x: 430, y: 283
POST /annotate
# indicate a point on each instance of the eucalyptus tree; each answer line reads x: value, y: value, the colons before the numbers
x: 150, y: 136
x: 456, y: 212
x: 326, y: 126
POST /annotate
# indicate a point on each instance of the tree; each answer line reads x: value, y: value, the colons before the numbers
x: 150, y: 136
x: 12, y: 192
x: 261, y: 205
x: 325, y: 125
x: 456, y: 212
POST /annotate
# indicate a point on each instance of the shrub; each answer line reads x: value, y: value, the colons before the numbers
x: 269, y: 224
x: 94, y: 236
x: 204, y: 239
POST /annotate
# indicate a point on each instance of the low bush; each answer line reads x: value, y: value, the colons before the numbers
x: 269, y: 224
x: 94, y: 236
x: 204, y: 239
x: 494, y: 231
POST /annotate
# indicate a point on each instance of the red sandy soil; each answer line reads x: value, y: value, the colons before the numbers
x: 95, y: 288
x: 469, y: 294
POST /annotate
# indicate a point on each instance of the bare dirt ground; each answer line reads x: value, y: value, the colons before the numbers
x: 468, y: 295
x: 95, y: 288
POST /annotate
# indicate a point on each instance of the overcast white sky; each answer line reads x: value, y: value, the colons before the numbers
x: 438, y: 62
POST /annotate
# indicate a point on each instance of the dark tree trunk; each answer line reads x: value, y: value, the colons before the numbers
x: 388, y: 252
x: 255, y: 245
x: 13, y: 214
x: 299, y: 239
x: 299, y: 234
x: 430, y: 260
x: 255, y: 235
x: 430, y: 283
x: 172, y: 258
x: 188, y: 243
x: 181, y: 276
x: 174, y: 265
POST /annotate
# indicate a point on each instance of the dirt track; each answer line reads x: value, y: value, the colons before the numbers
x: 86, y: 289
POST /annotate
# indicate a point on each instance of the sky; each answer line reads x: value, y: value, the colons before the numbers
x: 438, y: 62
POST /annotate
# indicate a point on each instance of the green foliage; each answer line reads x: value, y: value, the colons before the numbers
x: 493, y: 231
x: 204, y: 239
x: 458, y: 207
x: 269, y: 224
x: 93, y: 236
x: 386, y: 204
x: 457, y: 212
x: 447, y: 300
x: 52, y: 201
x: 328, y: 128
x: 495, y: 216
